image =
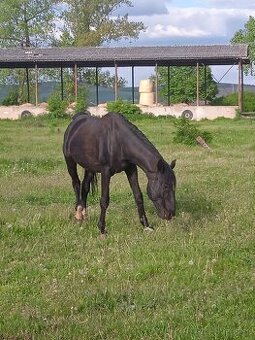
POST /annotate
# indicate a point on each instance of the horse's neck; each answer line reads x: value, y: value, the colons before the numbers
x: 144, y: 155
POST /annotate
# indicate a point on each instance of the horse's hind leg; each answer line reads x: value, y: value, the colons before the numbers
x: 72, y: 169
x: 85, y: 188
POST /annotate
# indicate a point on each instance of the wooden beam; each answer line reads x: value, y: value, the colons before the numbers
x: 240, y: 86
x: 133, y: 85
x: 28, y: 88
x: 116, y: 83
x: 75, y: 82
x: 197, y: 83
x: 205, y: 81
x: 36, y: 84
x: 62, y: 83
x: 168, y: 86
x: 97, y: 88
x: 156, y: 85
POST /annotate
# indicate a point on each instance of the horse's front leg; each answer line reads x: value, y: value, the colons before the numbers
x: 105, y: 199
x: 132, y: 176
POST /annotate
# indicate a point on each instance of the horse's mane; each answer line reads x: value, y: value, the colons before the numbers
x: 138, y: 133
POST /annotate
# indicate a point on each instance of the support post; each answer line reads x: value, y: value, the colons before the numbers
x: 36, y: 84
x: 75, y: 82
x: 62, y: 83
x: 197, y: 83
x: 168, y: 86
x: 28, y: 89
x: 205, y: 81
x: 97, y: 90
x: 240, y: 86
x: 133, y: 85
x: 156, y: 85
x: 116, y: 82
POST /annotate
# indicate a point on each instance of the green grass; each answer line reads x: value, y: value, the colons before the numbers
x: 193, y: 278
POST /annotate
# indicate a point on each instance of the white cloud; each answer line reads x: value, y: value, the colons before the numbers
x: 161, y: 31
x: 195, y: 22
x: 229, y: 3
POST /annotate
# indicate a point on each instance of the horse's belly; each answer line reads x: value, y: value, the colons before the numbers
x: 95, y: 155
x: 99, y: 165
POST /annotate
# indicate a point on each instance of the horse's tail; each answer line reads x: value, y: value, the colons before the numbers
x: 94, y: 184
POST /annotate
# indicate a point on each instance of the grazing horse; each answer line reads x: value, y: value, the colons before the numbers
x: 109, y: 145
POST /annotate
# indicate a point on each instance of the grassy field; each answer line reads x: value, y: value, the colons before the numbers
x: 193, y: 278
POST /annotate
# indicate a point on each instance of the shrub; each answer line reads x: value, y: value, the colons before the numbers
x: 12, y: 97
x: 232, y: 100
x: 56, y: 106
x: 123, y: 107
x: 187, y: 132
x: 82, y: 100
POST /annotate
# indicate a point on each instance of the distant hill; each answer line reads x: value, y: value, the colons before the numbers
x: 225, y: 89
x: 107, y: 94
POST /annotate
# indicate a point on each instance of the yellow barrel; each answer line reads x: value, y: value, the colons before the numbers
x: 146, y: 86
x: 146, y: 98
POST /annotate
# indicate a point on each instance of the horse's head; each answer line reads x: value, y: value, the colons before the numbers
x: 161, y: 189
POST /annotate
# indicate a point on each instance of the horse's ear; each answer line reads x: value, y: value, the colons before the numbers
x: 161, y: 166
x: 172, y: 165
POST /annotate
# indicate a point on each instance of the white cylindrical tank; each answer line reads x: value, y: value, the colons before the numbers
x: 146, y: 98
x: 146, y: 85
x: 146, y: 92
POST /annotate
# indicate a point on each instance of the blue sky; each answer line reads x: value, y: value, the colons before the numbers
x: 191, y: 22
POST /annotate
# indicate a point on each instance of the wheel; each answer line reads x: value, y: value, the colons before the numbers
x: 25, y: 113
x: 187, y: 114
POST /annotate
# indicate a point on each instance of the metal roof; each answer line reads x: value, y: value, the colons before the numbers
x: 124, y: 56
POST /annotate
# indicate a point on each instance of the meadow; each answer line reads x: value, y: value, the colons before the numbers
x: 192, y: 278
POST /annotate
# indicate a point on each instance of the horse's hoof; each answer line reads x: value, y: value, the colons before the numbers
x: 102, y: 236
x: 148, y: 229
x: 79, y: 214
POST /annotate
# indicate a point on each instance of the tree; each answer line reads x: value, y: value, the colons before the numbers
x: 183, y: 80
x: 92, y: 23
x: 25, y: 23
x: 32, y: 23
x: 104, y: 78
x: 247, y: 36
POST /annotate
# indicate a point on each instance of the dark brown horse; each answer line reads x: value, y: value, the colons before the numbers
x: 109, y: 145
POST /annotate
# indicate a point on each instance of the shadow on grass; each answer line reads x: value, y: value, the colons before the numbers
x: 197, y: 205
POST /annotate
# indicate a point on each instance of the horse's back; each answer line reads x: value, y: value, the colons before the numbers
x: 83, y: 124
x: 78, y: 120
x: 94, y: 142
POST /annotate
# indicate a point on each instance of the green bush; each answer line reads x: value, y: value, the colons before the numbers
x: 123, y: 107
x: 232, y: 100
x: 57, y: 106
x: 187, y: 132
x: 82, y: 100
x: 12, y: 97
